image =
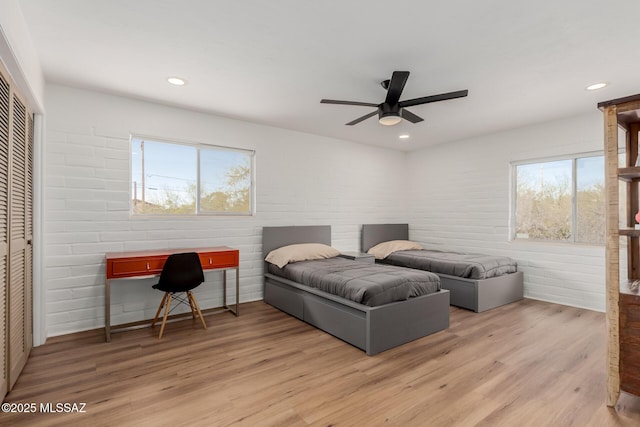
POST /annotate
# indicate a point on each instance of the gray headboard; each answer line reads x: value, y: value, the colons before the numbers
x: 372, y: 234
x: 276, y: 237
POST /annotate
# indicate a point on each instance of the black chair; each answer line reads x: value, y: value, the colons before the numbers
x: 181, y: 273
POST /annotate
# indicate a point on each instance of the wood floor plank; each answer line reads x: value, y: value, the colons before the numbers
x: 527, y: 363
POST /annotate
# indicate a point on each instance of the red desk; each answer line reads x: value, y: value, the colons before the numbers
x: 143, y: 264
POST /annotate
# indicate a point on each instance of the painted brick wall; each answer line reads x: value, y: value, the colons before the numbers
x: 455, y: 196
x: 459, y: 199
x: 301, y: 180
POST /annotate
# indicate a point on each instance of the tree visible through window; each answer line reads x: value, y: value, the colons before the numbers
x: 179, y: 179
x: 561, y: 200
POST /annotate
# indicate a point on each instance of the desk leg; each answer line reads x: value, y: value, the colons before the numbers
x: 224, y: 289
x: 107, y: 310
x: 237, y: 313
x: 224, y: 292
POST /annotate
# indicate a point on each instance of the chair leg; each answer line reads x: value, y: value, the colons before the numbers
x: 193, y: 311
x: 195, y: 303
x: 155, y: 319
x: 166, y: 313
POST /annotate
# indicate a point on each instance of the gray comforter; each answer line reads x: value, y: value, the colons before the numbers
x: 470, y: 266
x: 364, y: 283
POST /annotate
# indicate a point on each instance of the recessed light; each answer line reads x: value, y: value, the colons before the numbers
x: 404, y: 136
x: 177, y: 81
x: 596, y: 86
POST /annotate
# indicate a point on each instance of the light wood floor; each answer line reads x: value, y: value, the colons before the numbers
x: 526, y: 364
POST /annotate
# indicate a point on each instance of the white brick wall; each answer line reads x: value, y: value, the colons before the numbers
x: 301, y: 179
x: 454, y: 196
x: 459, y: 199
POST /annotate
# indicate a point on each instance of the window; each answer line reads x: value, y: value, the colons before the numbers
x: 560, y: 200
x: 170, y: 178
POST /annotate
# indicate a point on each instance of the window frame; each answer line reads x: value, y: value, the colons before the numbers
x: 574, y: 188
x: 198, y: 146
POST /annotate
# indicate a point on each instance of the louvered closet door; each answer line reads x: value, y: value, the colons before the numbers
x: 4, y: 213
x: 28, y: 251
x: 19, y: 288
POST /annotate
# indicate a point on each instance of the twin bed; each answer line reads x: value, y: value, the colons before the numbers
x: 375, y: 307
x: 477, y: 282
x: 387, y: 306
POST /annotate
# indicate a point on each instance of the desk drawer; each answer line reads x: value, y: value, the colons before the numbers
x: 219, y: 259
x: 141, y: 264
x: 135, y: 267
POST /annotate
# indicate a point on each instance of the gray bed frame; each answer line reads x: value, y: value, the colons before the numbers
x: 372, y: 329
x: 473, y: 294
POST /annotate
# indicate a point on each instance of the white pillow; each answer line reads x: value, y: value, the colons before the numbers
x: 384, y: 249
x: 300, y: 252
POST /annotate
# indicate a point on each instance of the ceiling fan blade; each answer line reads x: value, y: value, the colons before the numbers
x: 433, y: 98
x: 360, y: 119
x: 396, y: 85
x: 334, y: 101
x: 408, y: 115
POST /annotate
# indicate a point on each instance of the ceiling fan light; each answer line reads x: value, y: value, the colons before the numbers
x: 390, y: 120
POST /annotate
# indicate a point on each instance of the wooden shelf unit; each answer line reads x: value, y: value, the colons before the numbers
x: 623, y: 303
x: 629, y: 174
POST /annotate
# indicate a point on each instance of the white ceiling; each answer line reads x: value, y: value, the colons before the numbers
x: 271, y: 62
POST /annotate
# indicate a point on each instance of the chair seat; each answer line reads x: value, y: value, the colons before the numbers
x: 172, y: 288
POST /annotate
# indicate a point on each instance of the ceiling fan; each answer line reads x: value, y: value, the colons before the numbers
x: 392, y: 110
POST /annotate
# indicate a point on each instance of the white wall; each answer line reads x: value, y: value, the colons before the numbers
x: 459, y: 199
x: 18, y: 54
x: 301, y: 180
x: 455, y: 196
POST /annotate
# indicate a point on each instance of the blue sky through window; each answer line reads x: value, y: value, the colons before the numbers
x: 172, y: 168
x: 590, y: 172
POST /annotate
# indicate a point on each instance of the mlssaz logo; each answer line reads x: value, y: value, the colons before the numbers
x: 63, y: 407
